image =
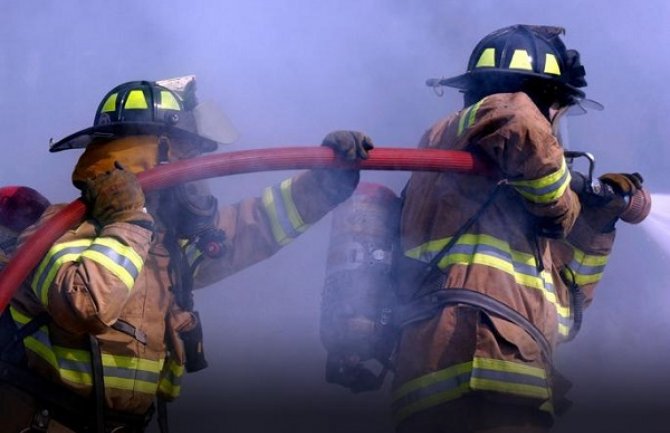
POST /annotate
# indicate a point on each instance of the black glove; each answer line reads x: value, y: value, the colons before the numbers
x: 349, y: 145
x: 352, y: 375
x: 338, y: 184
x: 116, y: 196
x: 606, y: 199
x: 623, y: 183
x: 595, y: 193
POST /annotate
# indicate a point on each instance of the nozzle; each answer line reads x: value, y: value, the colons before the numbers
x: 639, y: 206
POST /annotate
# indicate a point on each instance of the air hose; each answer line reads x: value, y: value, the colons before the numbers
x: 226, y: 164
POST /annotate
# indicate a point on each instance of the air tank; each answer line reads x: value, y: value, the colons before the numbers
x: 358, y: 294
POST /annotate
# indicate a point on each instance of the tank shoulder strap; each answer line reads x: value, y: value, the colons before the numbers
x: 428, y: 305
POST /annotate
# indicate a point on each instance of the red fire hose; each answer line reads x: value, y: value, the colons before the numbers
x: 224, y: 164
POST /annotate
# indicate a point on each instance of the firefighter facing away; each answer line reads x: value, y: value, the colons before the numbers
x: 496, y: 270
x: 105, y: 325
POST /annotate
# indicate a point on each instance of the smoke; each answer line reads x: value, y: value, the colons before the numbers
x: 287, y: 73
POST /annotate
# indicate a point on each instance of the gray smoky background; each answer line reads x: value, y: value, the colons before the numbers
x: 286, y: 73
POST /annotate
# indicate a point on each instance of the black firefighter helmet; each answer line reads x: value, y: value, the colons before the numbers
x: 142, y: 108
x: 523, y: 58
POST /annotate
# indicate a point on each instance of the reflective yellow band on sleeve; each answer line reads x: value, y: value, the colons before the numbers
x: 468, y: 117
x: 546, y: 189
x: 58, y: 255
x: 285, y: 220
x: 584, y: 268
x: 119, y: 259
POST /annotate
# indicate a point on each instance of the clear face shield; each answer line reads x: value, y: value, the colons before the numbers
x: 559, y: 118
x: 559, y: 125
x: 210, y: 120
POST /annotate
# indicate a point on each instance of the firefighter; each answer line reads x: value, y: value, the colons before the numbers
x: 495, y: 270
x: 105, y: 325
x: 20, y: 207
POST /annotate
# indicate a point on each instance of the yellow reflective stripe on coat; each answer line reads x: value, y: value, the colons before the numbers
x: 57, y: 256
x: 468, y: 117
x: 496, y: 253
x: 285, y: 220
x: 170, y: 382
x: 546, y: 189
x: 119, y: 259
x: 74, y: 365
x: 584, y: 268
x: 480, y: 374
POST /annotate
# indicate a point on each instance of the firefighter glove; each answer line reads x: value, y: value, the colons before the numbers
x: 623, y: 183
x: 116, y: 196
x: 349, y: 145
x: 338, y: 184
x: 591, y: 193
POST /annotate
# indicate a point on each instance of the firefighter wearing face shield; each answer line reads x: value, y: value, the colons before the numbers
x: 106, y: 325
x: 495, y: 271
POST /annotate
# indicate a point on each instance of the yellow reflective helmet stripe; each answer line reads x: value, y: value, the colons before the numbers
x: 521, y: 60
x: 551, y: 64
x: 110, y: 103
x: 480, y: 374
x: 546, y: 189
x: 487, y: 59
x: 168, y: 101
x: 136, y: 100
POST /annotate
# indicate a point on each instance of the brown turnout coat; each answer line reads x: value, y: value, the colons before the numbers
x: 94, y: 277
x: 517, y: 252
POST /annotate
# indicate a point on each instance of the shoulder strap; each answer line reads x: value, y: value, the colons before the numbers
x: 465, y: 227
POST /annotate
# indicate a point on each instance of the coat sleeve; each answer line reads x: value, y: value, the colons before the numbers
x: 510, y: 130
x: 84, y: 281
x: 583, y: 255
x: 258, y: 227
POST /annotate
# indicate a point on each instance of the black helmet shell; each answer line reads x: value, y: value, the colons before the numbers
x: 524, y: 53
x: 137, y: 108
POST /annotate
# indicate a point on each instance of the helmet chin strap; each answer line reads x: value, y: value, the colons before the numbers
x: 163, y: 149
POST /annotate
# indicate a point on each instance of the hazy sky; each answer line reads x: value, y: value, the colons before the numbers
x: 288, y: 72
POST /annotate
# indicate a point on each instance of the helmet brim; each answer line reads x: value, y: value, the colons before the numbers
x: 473, y: 79
x: 110, y: 131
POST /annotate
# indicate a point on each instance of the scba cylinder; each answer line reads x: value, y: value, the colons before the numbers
x: 358, y: 294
